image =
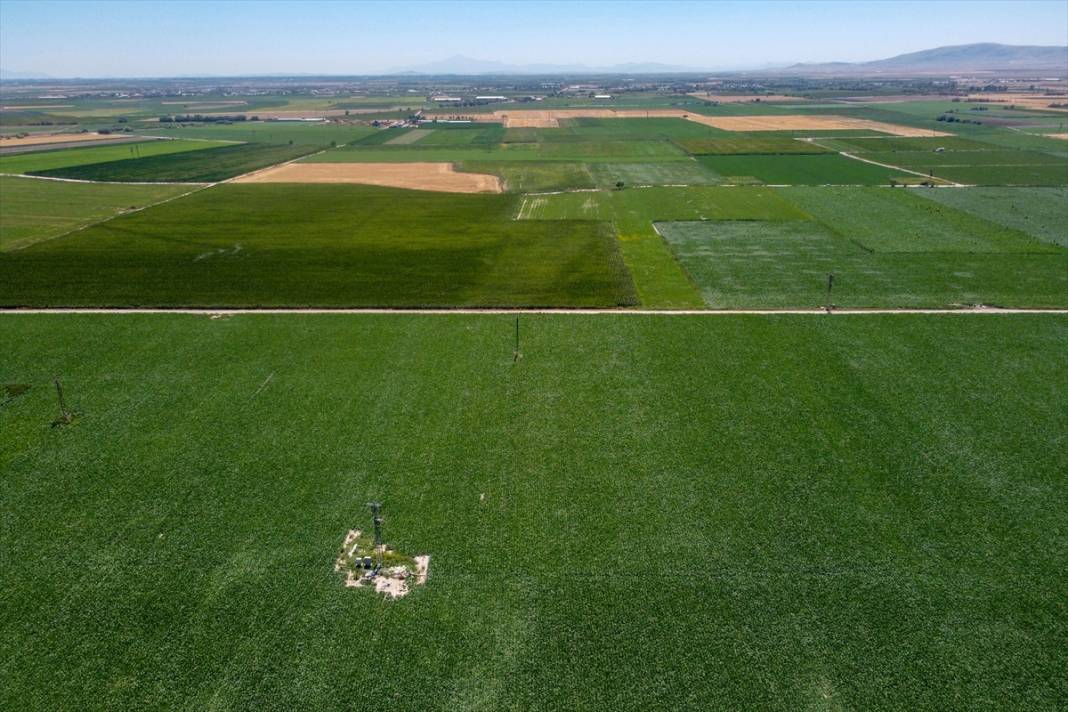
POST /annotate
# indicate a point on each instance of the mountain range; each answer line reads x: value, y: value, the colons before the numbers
x: 980, y: 57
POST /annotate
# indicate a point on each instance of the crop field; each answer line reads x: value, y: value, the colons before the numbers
x: 776, y: 264
x: 70, y: 157
x: 570, y: 151
x: 209, y: 165
x: 322, y: 245
x: 749, y: 145
x: 1041, y: 213
x: 824, y: 169
x: 267, y: 132
x: 641, y: 513
x: 33, y: 210
x: 899, y: 220
x: 598, y: 360
x: 531, y: 176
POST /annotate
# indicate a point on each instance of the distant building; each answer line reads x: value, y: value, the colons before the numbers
x: 602, y: 96
x: 446, y: 99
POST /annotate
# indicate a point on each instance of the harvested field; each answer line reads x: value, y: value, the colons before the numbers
x: 1043, y: 102
x: 6, y: 142
x: 550, y: 118
x: 1061, y: 136
x: 441, y: 177
x: 790, y: 122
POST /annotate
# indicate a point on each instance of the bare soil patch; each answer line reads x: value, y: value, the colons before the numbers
x: 8, y: 142
x: 788, y: 122
x: 1061, y: 136
x: 441, y: 177
x: 550, y: 118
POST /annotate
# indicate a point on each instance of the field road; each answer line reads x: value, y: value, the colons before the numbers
x: 520, y: 311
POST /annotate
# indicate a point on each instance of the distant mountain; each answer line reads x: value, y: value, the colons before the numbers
x: 982, y: 57
x: 6, y: 74
x: 467, y: 66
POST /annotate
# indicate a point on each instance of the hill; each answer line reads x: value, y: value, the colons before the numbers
x: 982, y: 57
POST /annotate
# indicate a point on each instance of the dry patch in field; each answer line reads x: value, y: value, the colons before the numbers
x: 441, y: 177
x: 11, y: 142
x: 409, y: 137
x: 789, y: 122
x: 1026, y: 101
x: 1061, y: 136
x: 368, y: 566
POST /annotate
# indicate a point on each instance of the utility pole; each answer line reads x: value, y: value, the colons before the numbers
x: 64, y: 414
x: 376, y: 518
x: 516, y: 354
x: 830, y: 286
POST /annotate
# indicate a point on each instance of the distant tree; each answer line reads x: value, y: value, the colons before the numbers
x: 619, y: 185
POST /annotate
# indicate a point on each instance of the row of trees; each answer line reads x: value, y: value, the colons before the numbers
x: 208, y: 118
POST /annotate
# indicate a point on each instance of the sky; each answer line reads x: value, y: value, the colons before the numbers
x: 143, y: 38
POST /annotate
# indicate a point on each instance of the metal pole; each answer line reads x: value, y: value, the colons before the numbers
x: 830, y: 285
x: 63, y: 412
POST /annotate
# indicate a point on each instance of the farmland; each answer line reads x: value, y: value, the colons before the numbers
x: 617, y: 365
x: 209, y: 165
x: 52, y: 160
x: 34, y: 210
x: 322, y: 245
x: 816, y: 502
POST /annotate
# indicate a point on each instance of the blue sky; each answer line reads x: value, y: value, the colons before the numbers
x: 141, y: 38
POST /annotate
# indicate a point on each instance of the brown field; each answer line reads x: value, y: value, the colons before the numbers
x: 441, y: 177
x: 6, y: 142
x: 788, y: 122
x: 1061, y: 136
x: 744, y: 98
x: 1026, y: 101
x: 550, y: 118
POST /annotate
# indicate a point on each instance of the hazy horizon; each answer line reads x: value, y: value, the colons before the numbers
x: 174, y: 39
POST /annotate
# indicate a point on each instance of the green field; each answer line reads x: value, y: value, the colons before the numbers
x: 898, y: 220
x: 1041, y: 213
x: 32, y: 210
x: 210, y: 165
x: 828, y: 169
x: 69, y: 157
x: 775, y: 264
x: 732, y: 145
x: 642, y: 513
x: 311, y: 134
x: 323, y: 245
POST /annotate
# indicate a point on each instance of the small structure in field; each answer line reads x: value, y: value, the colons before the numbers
x: 368, y: 563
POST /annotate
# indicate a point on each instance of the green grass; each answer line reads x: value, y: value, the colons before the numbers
x: 898, y: 220
x: 770, y: 264
x: 1039, y: 212
x: 1025, y: 173
x: 68, y: 157
x: 829, y: 169
x: 323, y: 245
x: 32, y: 210
x: 213, y: 164
x: 731, y: 145
x: 629, y: 129
x: 642, y: 513
x: 312, y: 134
